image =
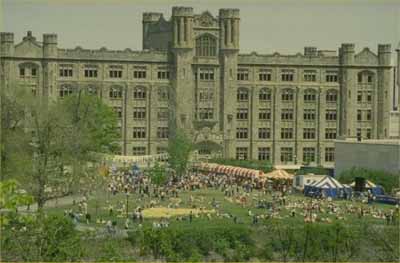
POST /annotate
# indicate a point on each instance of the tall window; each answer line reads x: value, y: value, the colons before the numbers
x: 139, y: 113
x: 287, y: 75
x: 287, y: 133
x: 286, y: 154
x: 330, y: 133
x: 310, y: 95
x: 309, y: 133
x: 90, y: 71
x: 206, y: 46
x: 206, y: 113
x: 330, y: 115
x: 139, y: 73
x: 162, y: 132
x: 115, y: 93
x: 242, y: 94
x: 242, y: 114
x: 265, y: 75
x: 206, y: 95
x: 66, y: 90
x: 331, y: 96
x: 242, y: 153
x: 287, y: 95
x: 139, y: 132
x: 309, y: 114
x: 206, y: 74
x: 163, y: 94
x: 162, y: 74
x: 264, y: 95
x: 137, y: 151
x: 310, y: 75
x: 242, y: 133
x: 243, y: 74
x: 264, y: 133
x: 264, y: 153
x: 264, y: 114
x: 329, y: 154
x: 139, y: 93
x: 118, y: 111
x: 331, y: 76
x: 287, y: 114
x: 65, y: 70
x: 308, y: 154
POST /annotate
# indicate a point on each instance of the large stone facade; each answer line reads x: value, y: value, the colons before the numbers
x: 190, y: 75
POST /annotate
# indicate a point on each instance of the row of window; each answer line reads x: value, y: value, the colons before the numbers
x: 286, y: 154
x: 288, y: 114
x: 140, y: 133
x: 287, y: 95
x: 117, y: 92
x: 140, y: 150
x: 286, y: 133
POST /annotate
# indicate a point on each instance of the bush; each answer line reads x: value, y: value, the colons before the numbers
x: 387, y: 180
x: 193, y: 243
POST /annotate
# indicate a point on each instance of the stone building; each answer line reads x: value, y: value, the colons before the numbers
x: 287, y: 109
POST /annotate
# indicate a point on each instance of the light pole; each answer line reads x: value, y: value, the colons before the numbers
x: 127, y: 203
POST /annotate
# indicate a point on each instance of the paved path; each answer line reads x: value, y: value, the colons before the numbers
x: 66, y: 200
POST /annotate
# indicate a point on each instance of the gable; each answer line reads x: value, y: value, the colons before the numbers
x: 366, y: 56
x: 28, y: 49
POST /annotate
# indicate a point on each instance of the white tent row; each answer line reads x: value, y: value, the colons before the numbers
x: 142, y: 159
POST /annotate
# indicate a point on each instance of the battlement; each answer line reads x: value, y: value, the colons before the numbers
x: 50, y: 39
x: 151, y: 17
x: 348, y: 48
x: 384, y: 48
x: 7, y: 37
x: 182, y: 11
x: 229, y: 13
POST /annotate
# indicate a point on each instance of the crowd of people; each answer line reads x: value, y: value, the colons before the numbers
x: 243, y: 191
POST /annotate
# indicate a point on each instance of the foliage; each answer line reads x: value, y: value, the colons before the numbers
x: 11, y: 196
x: 41, y: 238
x: 191, y: 243
x: 264, y: 166
x: 179, y: 148
x: 158, y: 174
x: 37, y: 145
x: 385, y: 179
x: 314, y: 170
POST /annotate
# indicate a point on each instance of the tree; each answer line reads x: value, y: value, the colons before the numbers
x: 41, y: 138
x: 179, y: 148
x: 158, y: 174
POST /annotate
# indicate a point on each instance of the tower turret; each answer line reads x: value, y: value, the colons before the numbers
x: 147, y: 21
x: 384, y: 90
x: 182, y: 21
x: 229, y: 28
x: 398, y: 76
x: 49, y: 45
x: 347, y: 54
x: 7, y: 44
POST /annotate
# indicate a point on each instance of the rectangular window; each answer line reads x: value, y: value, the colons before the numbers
x: 162, y: 114
x: 265, y: 75
x: 308, y: 154
x: 369, y: 96
x: 286, y: 133
x: 242, y: 114
x: 359, y: 96
x: 286, y: 154
x: 65, y: 70
x: 309, y: 114
x: 162, y: 132
x: 310, y: 75
x: 359, y: 133
x: 163, y: 74
x: 309, y: 133
x: 22, y: 72
x: 264, y: 95
x: 287, y: 75
x: 329, y: 154
x: 331, y: 76
x: 139, y: 133
x: 369, y: 79
x: 33, y: 72
x: 115, y: 74
x: 369, y: 133
x: 330, y: 115
x: 287, y: 114
x: 206, y: 74
x: 369, y: 115
x: 137, y: 151
x: 242, y: 153
x: 360, y: 78
x: 139, y: 72
x: 242, y: 133
x: 206, y: 95
x: 243, y: 74
x: 264, y: 154
x: 139, y: 113
x: 90, y: 72
x: 264, y: 133
x: 330, y: 133
x: 206, y: 113
x: 264, y: 114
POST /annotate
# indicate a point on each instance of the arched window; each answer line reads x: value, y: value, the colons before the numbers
x: 242, y: 94
x: 66, y: 90
x: 265, y: 94
x: 310, y: 95
x: 139, y: 93
x: 331, y: 96
x: 116, y: 92
x: 206, y: 46
x: 287, y: 95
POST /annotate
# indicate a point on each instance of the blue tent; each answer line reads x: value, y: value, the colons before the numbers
x: 375, y: 189
x: 328, y: 187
